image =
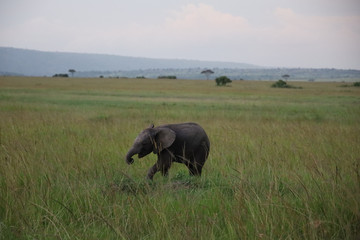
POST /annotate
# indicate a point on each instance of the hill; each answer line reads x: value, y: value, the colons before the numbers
x: 14, y: 61
x: 39, y: 63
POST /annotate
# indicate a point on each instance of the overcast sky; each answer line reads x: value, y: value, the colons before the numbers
x: 281, y: 33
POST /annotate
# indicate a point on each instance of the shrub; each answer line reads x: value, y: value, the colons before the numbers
x: 356, y: 84
x: 167, y: 77
x: 282, y: 84
x: 222, y: 81
x: 61, y: 75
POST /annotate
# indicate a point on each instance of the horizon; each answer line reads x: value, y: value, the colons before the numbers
x: 182, y: 59
x: 30, y: 62
x: 275, y: 33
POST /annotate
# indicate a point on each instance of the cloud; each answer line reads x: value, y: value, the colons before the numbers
x: 318, y: 40
x: 203, y: 32
x: 185, y: 33
x: 182, y: 23
x: 316, y: 28
x: 204, y: 21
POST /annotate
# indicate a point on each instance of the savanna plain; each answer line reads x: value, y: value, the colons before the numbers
x: 283, y: 164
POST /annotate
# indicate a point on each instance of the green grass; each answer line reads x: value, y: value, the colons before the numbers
x: 284, y: 163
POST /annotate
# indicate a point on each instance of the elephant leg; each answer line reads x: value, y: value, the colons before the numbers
x: 195, y: 169
x: 165, y: 169
x: 152, y: 171
x: 197, y: 163
x: 164, y: 163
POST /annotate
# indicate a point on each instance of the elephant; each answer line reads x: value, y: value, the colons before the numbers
x: 185, y: 143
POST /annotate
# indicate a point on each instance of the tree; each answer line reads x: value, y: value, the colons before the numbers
x: 285, y: 76
x: 207, y: 73
x: 72, y: 71
x: 222, y: 81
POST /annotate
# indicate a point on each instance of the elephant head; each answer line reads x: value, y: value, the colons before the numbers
x: 151, y: 140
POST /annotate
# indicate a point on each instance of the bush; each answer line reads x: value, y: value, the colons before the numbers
x: 167, y: 77
x: 222, y: 81
x: 61, y: 75
x: 282, y: 84
x: 356, y: 84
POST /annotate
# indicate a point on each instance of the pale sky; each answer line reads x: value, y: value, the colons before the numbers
x: 276, y: 33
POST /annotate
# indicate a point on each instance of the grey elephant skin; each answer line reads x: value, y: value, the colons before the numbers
x: 185, y: 143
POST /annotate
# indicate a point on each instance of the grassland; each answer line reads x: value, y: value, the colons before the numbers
x: 284, y: 163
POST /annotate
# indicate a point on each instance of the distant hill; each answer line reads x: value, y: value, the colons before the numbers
x: 14, y: 61
x: 38, y: 63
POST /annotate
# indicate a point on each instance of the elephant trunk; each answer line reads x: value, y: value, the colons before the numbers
x: 131, y: 152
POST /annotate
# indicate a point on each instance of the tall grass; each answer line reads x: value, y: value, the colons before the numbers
x: 284, y: 163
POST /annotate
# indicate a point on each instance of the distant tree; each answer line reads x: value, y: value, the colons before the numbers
x: 285, y: 76
x: 72, y: 71
x: 222, y: 81
x: 207, y: 73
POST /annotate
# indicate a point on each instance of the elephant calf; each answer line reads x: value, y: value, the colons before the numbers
x: 185, y: 143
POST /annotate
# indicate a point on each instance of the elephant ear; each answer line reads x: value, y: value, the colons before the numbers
x: 164, y: 138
